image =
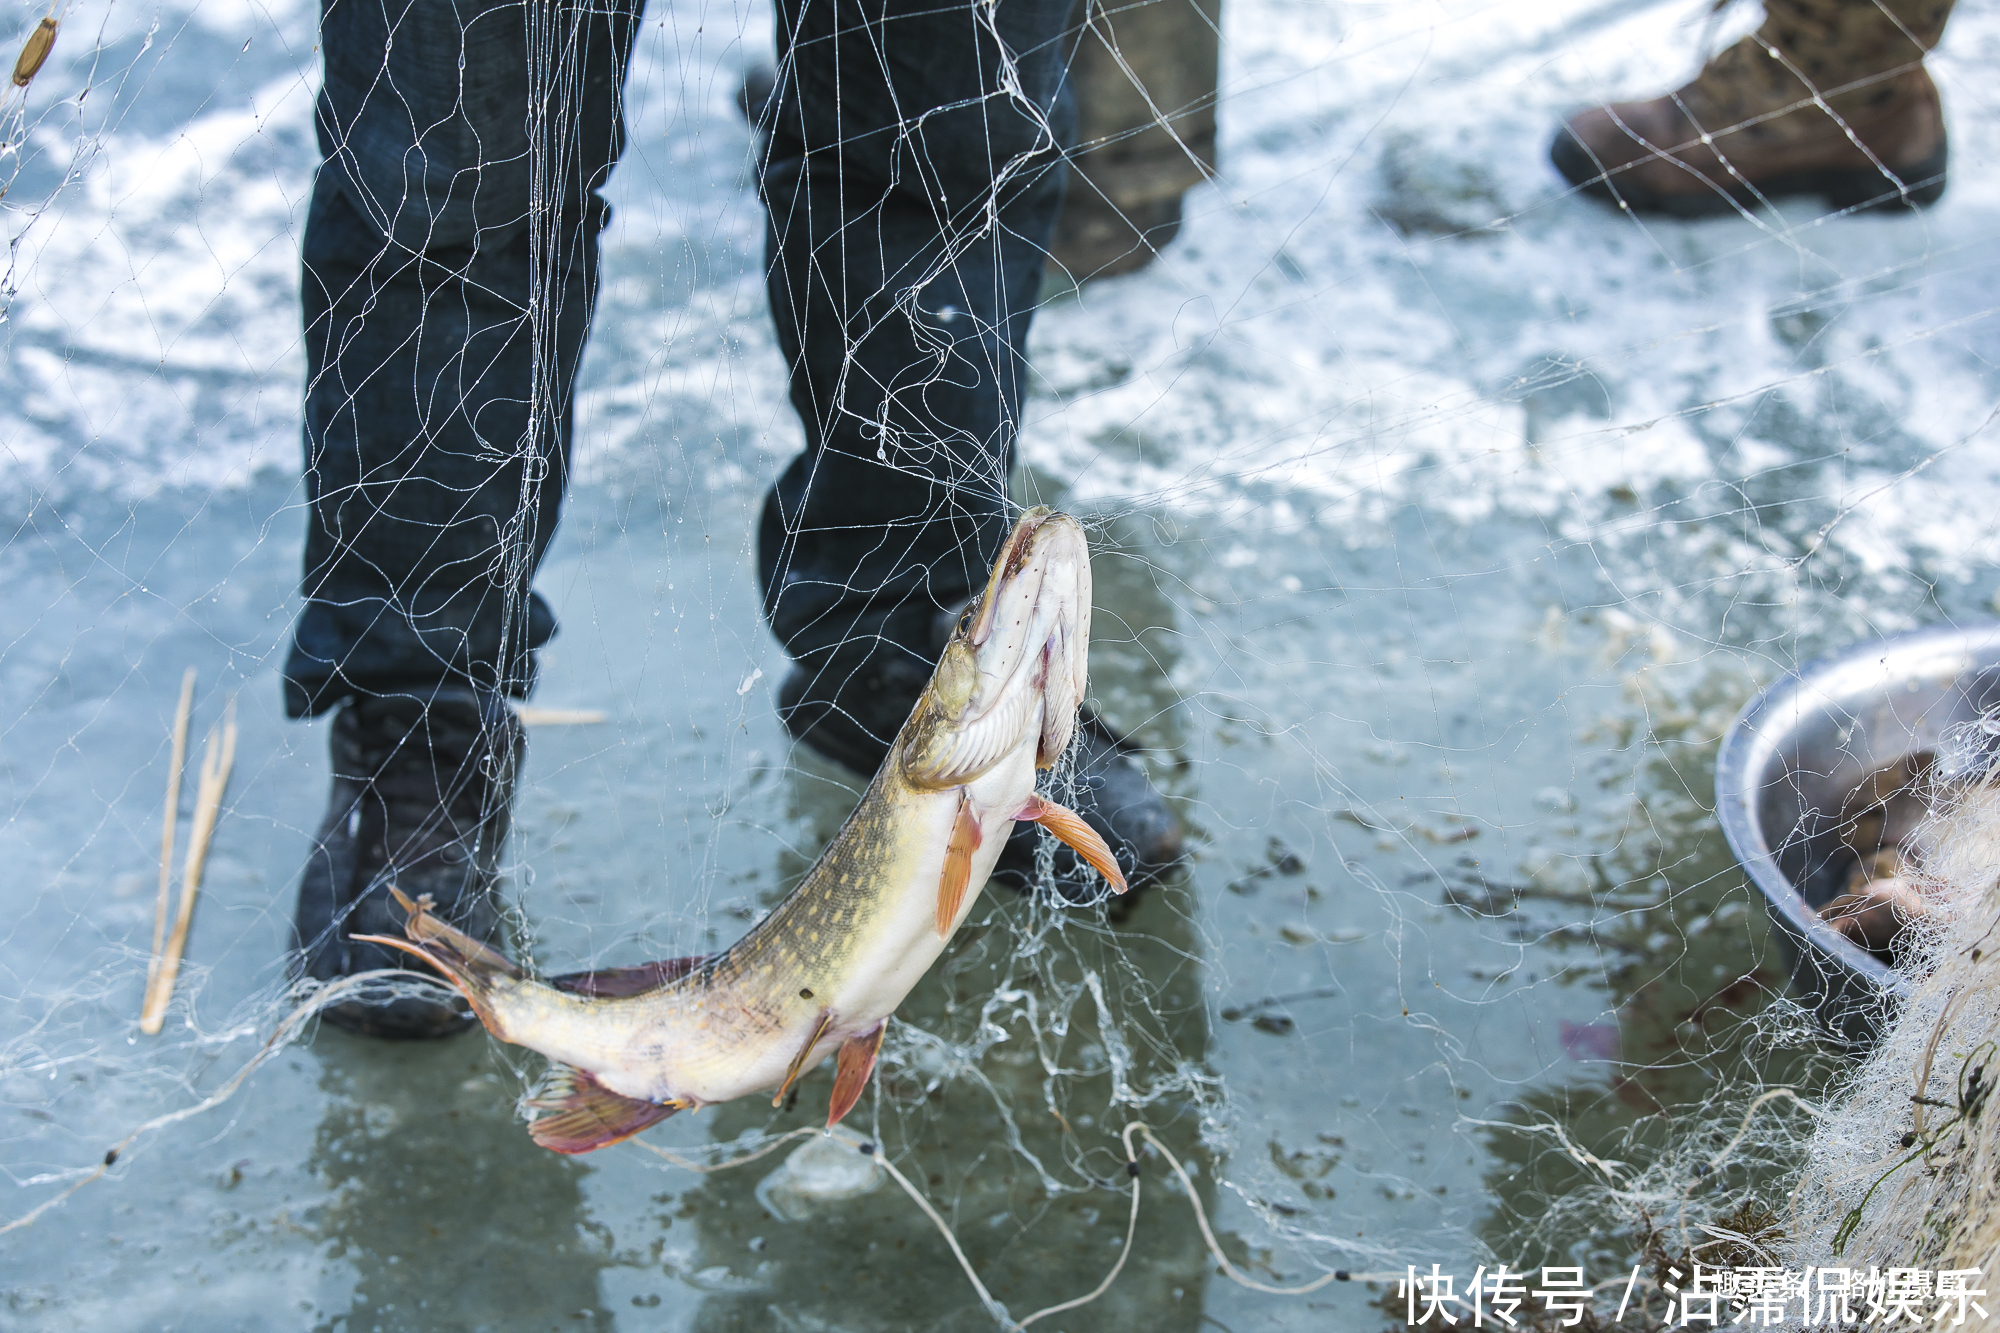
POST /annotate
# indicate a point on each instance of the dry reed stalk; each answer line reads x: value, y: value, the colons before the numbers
x: 36, y: 50
x: 167, y: 825
x: 531, y: 716
x: 217, y: 757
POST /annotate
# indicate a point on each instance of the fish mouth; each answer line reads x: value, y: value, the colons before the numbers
x: 1016, y: 666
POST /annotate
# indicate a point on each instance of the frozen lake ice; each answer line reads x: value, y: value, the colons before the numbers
x: 1443, y: 520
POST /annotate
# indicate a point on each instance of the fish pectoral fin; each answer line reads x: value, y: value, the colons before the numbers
x: 582, y: 1115
x: 1069, y: 827
x: 606, y: 983
x: 957, y: 876
x: 798, y: 1065
x: 850, y: 1078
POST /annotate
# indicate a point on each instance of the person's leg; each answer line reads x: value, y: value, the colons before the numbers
x: 1827, y: 97
x: 419, y: 277
x: 447, y: 292
x: 913, y: 174
x: 1144, y: 76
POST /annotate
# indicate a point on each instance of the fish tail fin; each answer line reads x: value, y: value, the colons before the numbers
x: 469, y: 965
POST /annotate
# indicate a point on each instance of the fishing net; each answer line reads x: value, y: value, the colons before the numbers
x: 1442, y: 519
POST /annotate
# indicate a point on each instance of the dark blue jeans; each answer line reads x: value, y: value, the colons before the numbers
x: 913, y: 173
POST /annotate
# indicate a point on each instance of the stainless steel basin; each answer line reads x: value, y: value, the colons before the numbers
x: 1797, y: 752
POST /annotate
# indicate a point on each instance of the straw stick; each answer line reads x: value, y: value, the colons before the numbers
x: 531, y: 716
x: 173, y: 817
x: 218, y: 755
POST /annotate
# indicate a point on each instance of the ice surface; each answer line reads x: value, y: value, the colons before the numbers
x: 822, y: 1170
x: 1443, y: 520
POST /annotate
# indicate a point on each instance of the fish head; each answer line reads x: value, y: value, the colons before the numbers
x: 1016, y: 667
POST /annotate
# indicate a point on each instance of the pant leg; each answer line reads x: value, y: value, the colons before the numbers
x: 435, y: 455
x: 1145, y: 74
x: 913, y: 176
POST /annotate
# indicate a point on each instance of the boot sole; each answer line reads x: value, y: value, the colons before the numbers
x: 1865, y: 190
x: 404, y: 1019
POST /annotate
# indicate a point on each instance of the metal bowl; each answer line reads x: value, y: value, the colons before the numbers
x: 1792, y: 759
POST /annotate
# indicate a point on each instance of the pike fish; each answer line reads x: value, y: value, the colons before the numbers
x: 821, y: 975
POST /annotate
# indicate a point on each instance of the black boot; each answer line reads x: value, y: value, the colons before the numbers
x: 753, y: 95
x: 422, y: 792
x: 850, y: 710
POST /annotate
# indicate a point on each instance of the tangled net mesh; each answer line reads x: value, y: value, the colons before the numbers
x: 1441, y: 522
x: 1899, y: 1174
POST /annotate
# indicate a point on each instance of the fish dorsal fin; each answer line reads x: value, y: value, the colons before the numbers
x: 579, y: 1114
x: 1070, y: 828
x: 957, y: 876
x: 855, y: 1063
x: 610, y: 983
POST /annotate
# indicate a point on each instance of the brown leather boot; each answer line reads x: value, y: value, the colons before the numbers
x: 1828, y: 97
